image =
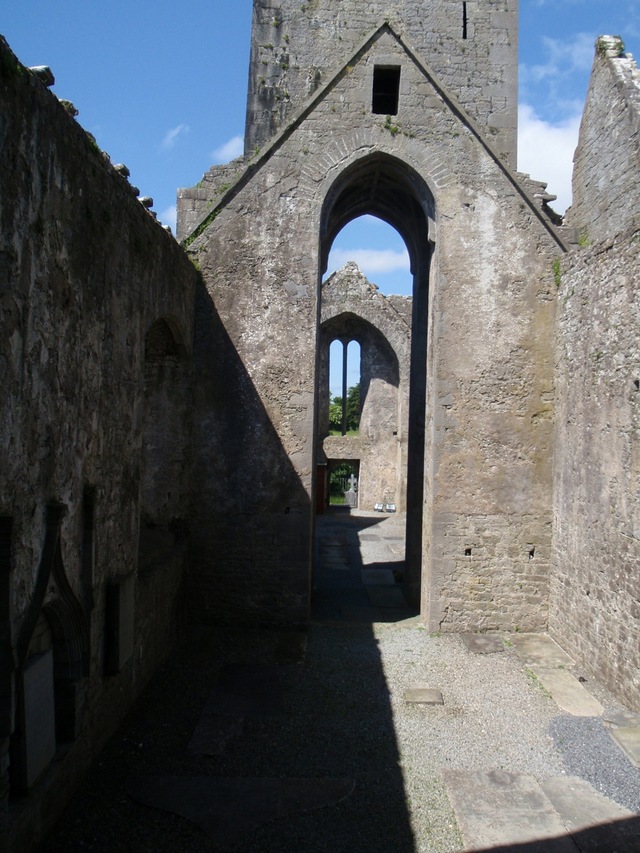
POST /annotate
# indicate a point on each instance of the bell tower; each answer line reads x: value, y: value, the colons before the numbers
x: 471, y: 46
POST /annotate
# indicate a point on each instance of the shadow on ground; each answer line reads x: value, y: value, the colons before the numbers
x: 247, y: 740
x: 623, y: 836
x: 359, y: 568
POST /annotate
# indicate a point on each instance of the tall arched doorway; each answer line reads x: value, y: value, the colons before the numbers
x: 387, y: 188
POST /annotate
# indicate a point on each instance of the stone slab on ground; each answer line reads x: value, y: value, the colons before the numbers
x: 579, y: 805
x: 621, y: 717
x: 247, y: 690
x: 567, y: 691
x: 383, y: 596
x: 292, y: 647
x: 483, y: 644
x: 422, y: 694
x: 212, y: 733
x: 337, y: 565
x: 228, y: 810
x: 364, y: 613
x: 394, y: 615
x: 540, y: 649
x: 377, y: 577
x: 629, y: 739
x: 495, y: 808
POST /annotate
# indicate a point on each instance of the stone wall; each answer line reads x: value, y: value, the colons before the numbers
x: 353, y: 309
x: 607, y: 159
x: 484, y: 266
x: 595, y: 581
x: 297, y: 47
x: 88, y: 391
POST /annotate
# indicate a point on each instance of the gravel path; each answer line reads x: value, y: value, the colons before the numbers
x: 345, y: 716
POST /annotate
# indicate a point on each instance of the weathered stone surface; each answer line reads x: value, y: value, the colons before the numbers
x: 605, y: 197
x: 162, y: 413
x: 495, y: 808
x: 421, y: 694
x: 294, y: 54
x: 581, y: 807
x: 85, y: 272
x: 488, y: 399
x: 629, y: 739
x: 353, y: 309
x: 483, y: 644
x: 229, y: 809
x: 594, y: 593
x: 568, y: 692
x: 540, y: 649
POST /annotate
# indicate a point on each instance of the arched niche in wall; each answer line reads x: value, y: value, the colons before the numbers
x: 165, y: 434
x: 53, y: 655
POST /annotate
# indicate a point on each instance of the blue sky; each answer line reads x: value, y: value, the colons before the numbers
x: 162, y: 86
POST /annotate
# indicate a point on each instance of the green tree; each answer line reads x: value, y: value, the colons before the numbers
x: 335, y: 414
x: 353, y: 407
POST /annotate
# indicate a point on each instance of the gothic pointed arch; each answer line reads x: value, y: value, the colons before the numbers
x: 385, y: 186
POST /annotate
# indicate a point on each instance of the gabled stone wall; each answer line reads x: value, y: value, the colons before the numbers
x: 488, y: 336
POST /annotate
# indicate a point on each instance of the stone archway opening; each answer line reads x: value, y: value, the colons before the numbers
x: 384, y: 187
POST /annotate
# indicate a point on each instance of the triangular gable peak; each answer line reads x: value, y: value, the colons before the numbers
x: 531, y: 192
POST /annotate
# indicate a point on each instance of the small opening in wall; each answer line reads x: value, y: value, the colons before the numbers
x: 532, y: 553
x: 386, y: 90
x: 88, y: 544
x: 465, y: 21
x: 636, y: 384
x: 467, y: 552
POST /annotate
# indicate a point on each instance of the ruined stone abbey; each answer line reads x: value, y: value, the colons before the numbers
x: 164, y: 422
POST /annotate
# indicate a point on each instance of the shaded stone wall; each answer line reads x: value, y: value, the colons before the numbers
x: 595, y: 581
x: 607, y: 159
x: 85, y: 272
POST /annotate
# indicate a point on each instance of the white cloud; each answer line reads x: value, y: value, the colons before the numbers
x: 168, y: 217
x: 545, y: 151
x: 563, y: 57
x: 371, y: 261
x: 172, y: 135
x: 229, y: 151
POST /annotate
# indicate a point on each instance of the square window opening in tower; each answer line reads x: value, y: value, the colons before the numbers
x: 386, y: 90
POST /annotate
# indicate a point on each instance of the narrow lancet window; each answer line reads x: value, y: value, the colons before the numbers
x: 465, y: 21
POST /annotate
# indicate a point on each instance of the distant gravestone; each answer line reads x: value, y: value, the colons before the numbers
x: 351, y: 498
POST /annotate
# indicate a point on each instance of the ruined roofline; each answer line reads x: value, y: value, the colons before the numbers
x: 42, y: 77
x: 352, y: 268
x: 256, y: 163
x: 625, y: 69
